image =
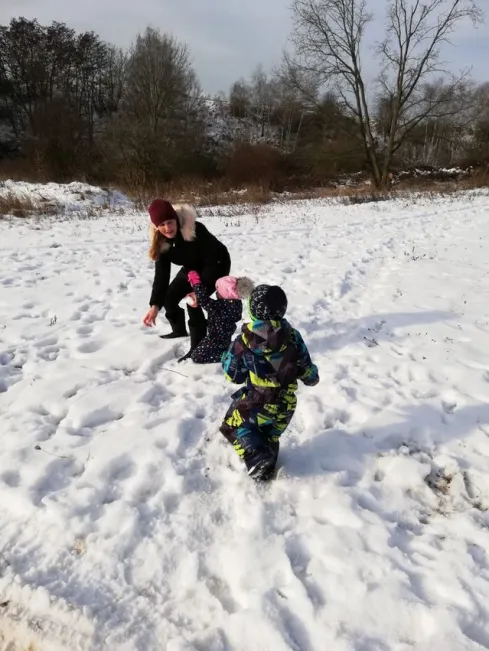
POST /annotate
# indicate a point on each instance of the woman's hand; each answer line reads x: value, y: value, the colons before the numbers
x: 150, y: 318
x: 192, y: 300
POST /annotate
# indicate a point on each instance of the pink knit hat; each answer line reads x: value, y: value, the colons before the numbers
x: 227, y: 287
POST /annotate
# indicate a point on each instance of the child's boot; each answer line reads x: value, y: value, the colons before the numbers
x: 261, y: 467
x: 258, y: 456
x: 197, y: 333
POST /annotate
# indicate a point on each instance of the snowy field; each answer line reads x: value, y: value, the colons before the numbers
x: 127, y: 522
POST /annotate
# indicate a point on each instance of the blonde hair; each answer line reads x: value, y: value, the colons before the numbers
x: 155, y: 242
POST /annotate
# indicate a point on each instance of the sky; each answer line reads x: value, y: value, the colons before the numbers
x: 228, y: 39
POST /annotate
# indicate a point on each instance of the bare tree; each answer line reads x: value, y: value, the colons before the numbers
x: 477, y: 139
x: 57, y: 91
x: 160, y: 80
x: 438, y: 138
x: 240, y: 99
x: 271, y: 107
x: 328, y: 38
x: 160, y: 107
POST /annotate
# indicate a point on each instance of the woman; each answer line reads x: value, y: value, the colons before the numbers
x: 177, y: 237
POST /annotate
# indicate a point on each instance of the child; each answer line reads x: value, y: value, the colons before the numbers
x: 268, y: 357
x: 223, y: 315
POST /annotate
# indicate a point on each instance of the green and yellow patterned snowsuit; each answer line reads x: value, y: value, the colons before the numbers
x: 269, y: 357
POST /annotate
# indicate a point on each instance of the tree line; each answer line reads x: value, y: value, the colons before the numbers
x: 75, y: 107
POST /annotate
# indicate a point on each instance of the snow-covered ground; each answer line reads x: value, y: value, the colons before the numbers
x: 126, y: 521
x: 69, y: 199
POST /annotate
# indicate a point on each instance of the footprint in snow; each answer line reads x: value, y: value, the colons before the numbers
x: 11, y: 478
x: 96, y: 418
x: 220, y: 591
x: 171, y: 502
x: 155, y: 396
x: 58, y: 474
x: 200, y: 412
x: 90, y: 347
x: 48, y: 341
x: 449, y: 406
x: 91, y: 318
x: 116, y: 473
x: 149, y: 484
x: 338, y: 415
x: 477, y: 634
x: 120, y: 468
x: 9, y: 374
x: 6, y: 358
x: 72, y: 391
x: 49, y: 353
x: 84, y: 330
x: 161, y: 444
x: 190, y: 432
x: 299, y: 556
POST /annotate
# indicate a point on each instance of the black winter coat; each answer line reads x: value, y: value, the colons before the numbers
x: 194, y: 248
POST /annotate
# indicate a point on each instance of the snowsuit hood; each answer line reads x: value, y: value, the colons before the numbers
x: 273, y: 343
x: 267, y: 302
x: 264, y: 337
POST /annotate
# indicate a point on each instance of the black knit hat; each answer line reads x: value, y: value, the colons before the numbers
x: 268, y: 303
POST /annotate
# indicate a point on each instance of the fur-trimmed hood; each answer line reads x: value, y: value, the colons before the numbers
x: 187, y: 218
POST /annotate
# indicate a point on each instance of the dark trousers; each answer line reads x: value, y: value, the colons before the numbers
x: 254, y: 446
x: 210, y: 352
x: 254, y: 429
x: 179, y: 288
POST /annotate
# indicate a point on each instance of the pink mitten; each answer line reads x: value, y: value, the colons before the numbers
x: 193, y: 278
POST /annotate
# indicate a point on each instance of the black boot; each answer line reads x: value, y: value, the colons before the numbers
x: 196, y: 336
x: 259, y: 456
x: 177, y: 327
x: 174, y: 335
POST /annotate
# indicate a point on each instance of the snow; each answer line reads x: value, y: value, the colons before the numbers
x: 126, y: 520
x: 434, y: 173
x: 68, y: 198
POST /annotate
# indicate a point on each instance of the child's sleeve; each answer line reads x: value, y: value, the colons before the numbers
x: 308, y: 372
x: 203, y: 297
x: 233, y: 363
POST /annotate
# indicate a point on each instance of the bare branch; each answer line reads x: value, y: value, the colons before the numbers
x: 410, y: 55
x: 327, y: 38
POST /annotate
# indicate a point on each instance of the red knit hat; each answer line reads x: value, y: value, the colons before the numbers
x: 161, y: 211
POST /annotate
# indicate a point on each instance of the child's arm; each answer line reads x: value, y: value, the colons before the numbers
x: 200, y: 290
x: 308, y: 372
x: 233, y: 363
x: 203, y: 297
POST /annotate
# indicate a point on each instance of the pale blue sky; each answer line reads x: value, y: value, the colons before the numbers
x: 227, y: 38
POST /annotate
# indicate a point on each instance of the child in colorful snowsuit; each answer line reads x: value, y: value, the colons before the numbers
x: 223, y: 314
x: 269, y: 357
